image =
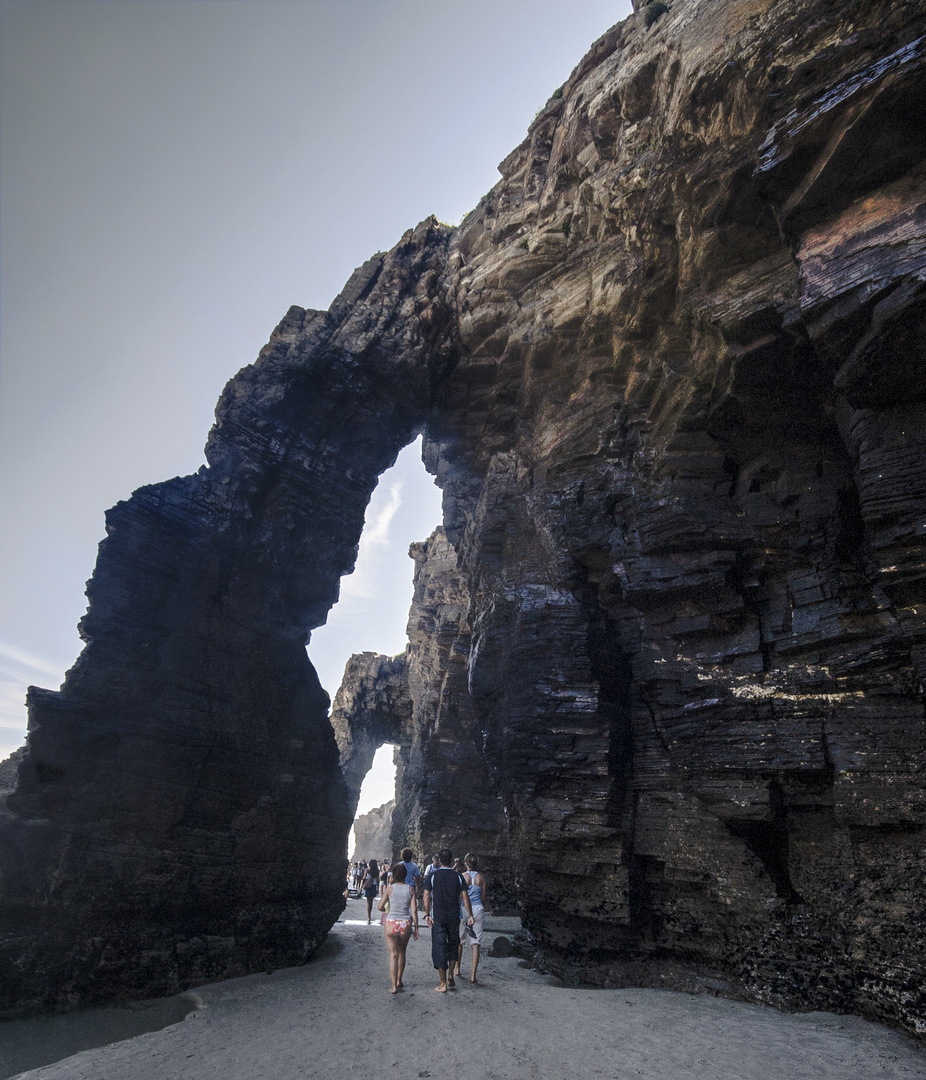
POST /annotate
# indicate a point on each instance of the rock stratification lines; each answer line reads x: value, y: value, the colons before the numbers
x: 180, y: 814
x: 667, y: 652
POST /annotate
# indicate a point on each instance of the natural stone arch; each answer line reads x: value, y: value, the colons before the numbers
x: 420, y: 702
x: 372, y: 708
x: 665, y: 374
x: 180, y: 798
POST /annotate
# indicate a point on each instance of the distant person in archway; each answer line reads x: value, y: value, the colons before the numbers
x: 445, y: 891
x: 399, y: 924
x: 432, y: 866
x: 412, y: 873
x: 476, y: 889
x: 435, y: 863
x: 370, y: 886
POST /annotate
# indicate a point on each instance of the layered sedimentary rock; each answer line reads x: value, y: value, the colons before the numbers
x: 9, y: 771
x: 373, y: 833
x: 180, y: 814
x: 445, y: 795
x: 693, y: 523
x: 670, y: 378
x: 419, y: 701
x: 682, y: 457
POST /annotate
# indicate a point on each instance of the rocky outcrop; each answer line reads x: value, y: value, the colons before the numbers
x: 180, y: 814
x: 370, y: 709
x: 9, y: 770
x: 420, y: 702
x: 445, y: 794
x: 682, y: 458
x: 670, y: 645
x: 692, y: 521
x: 373, y: 834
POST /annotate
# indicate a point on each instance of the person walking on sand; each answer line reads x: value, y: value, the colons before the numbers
x: 412, y: 873
x: 370, y: 883
x: 400, y: 924
x: 476, y: 888
x: 432, y: 866
x: 445, y: 891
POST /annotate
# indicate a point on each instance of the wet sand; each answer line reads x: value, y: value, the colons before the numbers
x: 335, y: 1016
x: 27, y: 1044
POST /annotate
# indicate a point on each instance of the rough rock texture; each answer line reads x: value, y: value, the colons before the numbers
x: 9, y: 770
x: 445, y: 795
x: 373, y: 834
x: 670, y: 376
x: 180, y: 814
x: 371, y: 709
x: 683, y: 458
x: 692, y: 522
x: 420, y: 702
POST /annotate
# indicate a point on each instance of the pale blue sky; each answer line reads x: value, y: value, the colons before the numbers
x: 175, y: 174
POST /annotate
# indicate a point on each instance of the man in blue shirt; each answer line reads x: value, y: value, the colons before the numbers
x: 412, y: 873
x: 445, y: 890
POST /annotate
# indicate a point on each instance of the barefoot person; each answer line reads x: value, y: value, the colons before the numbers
x: 476, y: 889
x: 400, y: 924
x: 445, y: 891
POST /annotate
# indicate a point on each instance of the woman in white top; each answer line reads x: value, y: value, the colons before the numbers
x: 476, y: 887
x: 399, y: 924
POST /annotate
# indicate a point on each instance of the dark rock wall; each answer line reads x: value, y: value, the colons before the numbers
x: 180, y: 814
x: 445, y: 795
x: 667, y: 655
x: 683, y: 460
x: 420, y: 702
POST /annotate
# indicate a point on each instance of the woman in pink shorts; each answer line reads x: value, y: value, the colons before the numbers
x: 399, y: 924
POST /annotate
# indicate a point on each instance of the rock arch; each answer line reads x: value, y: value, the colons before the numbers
x: 669, y: 373
x: 420, y: 701
x: 180, y: 799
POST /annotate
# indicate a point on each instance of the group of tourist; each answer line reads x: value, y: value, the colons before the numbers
x: 367, y: 879
x: 452, y: 895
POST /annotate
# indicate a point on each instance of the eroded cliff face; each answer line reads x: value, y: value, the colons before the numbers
x: 682, y: 457
x: 180, y: 814
x: 372, y: 708
x: 373, y: 833
x: 668, y: 651
x: 420, y: 702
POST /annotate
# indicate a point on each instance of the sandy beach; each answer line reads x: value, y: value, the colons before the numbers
x: 335, y: 1015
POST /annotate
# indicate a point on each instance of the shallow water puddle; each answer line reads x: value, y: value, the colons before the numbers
x: 40, y: 1040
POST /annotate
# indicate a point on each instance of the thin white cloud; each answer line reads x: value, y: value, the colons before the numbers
x: 15, y: 661
x: 374, y: 543
x: 378, y: 532
x: 18, y: 670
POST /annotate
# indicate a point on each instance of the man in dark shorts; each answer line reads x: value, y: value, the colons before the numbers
x: 445, y: 890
